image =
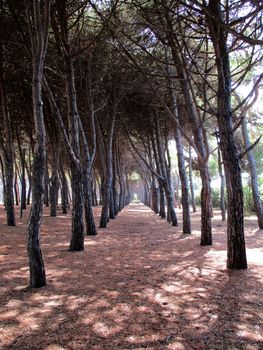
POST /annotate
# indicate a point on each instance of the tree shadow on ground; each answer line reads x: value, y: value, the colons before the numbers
x: 138, y: 285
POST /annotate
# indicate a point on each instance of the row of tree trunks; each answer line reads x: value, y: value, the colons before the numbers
x: 6, y: 147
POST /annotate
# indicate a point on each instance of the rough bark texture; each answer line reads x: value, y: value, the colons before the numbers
x: 206, y: 237
x: 39, y: 44
x: 236, y: 251
x: 77, y: 236
x: 89, y: 218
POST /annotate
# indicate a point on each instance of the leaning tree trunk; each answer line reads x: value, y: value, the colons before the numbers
x: 253, y: 174
x: 39, y: 44
x: 236, y: 251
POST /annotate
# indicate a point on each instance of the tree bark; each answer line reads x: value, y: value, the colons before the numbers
x: 7, y: 149
x: 253, y: 174
x: 39, y: 35
x: 236, y: 251
x: 77, y: 236
x: 191, y: 180
x: 181, y: 167
x: 222, y: 186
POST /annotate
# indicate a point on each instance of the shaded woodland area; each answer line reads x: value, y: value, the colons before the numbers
x: 113, y: 102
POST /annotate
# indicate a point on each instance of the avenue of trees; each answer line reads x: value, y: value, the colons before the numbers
x: 92, y: 94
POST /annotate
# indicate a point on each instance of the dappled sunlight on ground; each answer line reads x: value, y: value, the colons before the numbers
x: 139, y: 284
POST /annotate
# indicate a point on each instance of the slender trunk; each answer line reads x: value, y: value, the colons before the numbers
x: 222, y: 186
x: 8, y: 152
x: 253, y: 174
x: 29, y: 176
x: 16, y: 189
x: 77, y: 236
x: 108, y: 177
x: 54, y: 189
x: 200, y: 143
x: 166, y: 182
x: 29, y: 193
x: 64, y: 190
x: 181, y: 166
x: 23, y: 179
x: 184, y: 182
x: 191, y: 180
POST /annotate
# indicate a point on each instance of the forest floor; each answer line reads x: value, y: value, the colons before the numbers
x: 139, y: 284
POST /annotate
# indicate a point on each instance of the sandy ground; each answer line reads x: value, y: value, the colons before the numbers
x: 139, y: 284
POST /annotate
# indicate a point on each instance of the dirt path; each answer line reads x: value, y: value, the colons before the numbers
x: 139, y: 284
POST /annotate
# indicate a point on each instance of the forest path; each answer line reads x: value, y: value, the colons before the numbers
x: 139, y: 284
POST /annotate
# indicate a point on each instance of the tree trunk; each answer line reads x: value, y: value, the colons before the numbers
x: 89, y: 218
x: 222, y: 186
x: 181, y: 165
x: 64, y: 190
x: 253, y: 174
x: 77, y: 237
x: 191, y: 180
x: 8, y: 152
x: 16, y: 189
x: 206, y: 237
x: 54, y: 189
x: 23, y: 178
x: 154, y: 195
x: 108, y: 177
x: 236, y: 251
x: 46, y: 188
x: 111, y: 206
